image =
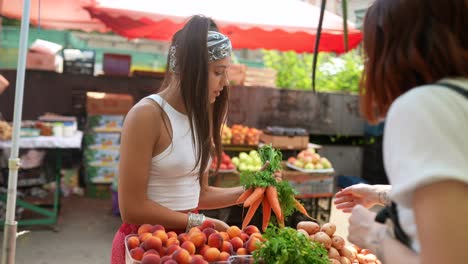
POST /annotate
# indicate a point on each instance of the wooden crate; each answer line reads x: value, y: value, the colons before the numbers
x: 310, y: 185
x: 236, y: 73
x: 285, y: 142
x: 260, y: 77
x: 313, y: 187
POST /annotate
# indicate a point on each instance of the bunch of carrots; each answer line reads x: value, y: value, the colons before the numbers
x: 261, y: 187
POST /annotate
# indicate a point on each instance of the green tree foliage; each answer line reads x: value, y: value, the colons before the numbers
x: 335, y: 73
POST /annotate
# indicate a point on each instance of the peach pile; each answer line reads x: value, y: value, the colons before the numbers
x: 338, y: 252
x: 203, y: 244
x: 245, y: 135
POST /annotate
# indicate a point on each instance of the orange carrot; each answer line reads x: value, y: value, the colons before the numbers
x: 272, y: 196
x: 301, y: 209
x: 266, y: 213
x: 281, y: 220
x: 251, y: 212
x: 254, y: 196
x: 244, y: 195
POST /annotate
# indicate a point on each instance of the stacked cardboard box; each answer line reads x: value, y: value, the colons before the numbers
x: 102, y: 141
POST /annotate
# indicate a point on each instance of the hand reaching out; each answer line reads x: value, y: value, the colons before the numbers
x: 362, y: 194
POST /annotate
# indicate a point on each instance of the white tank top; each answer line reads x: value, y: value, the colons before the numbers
x: 172, y: 181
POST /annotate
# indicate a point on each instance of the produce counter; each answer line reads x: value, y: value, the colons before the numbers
x: 275, y: 240
x: 307, y: 243
x: 49, y: 142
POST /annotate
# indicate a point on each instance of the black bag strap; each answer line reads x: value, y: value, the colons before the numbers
x: 455, y: 88
x: 390, y: 212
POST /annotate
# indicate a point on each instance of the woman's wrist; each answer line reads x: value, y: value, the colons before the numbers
x: 384, y: 198
x: 194, y: 220
x: 383, y: 194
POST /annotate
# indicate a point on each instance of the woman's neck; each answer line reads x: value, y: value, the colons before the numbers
x: 173, y: 96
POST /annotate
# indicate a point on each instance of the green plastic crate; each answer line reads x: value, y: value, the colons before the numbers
x: 99, y: 191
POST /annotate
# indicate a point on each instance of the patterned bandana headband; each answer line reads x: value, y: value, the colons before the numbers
x: 219, y: 47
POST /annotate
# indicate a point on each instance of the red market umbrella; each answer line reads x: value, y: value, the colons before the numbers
x: 55, y: 14
x: 251, y: 24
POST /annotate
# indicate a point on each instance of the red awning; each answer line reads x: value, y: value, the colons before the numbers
x: 55, y: 14
x: 251, y: 24
x: 270, y: 24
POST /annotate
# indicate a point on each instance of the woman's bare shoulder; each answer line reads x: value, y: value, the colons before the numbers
x: 145, y: 115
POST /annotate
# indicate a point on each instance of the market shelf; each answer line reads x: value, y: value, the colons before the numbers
x: 240, y: 148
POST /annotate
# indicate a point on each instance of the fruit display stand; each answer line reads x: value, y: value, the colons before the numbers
x: 315, y: 191
x: 313, y: 178
x: 318, y: 243
x: 310, y: 184
x: 203, y: 244
x: 57, y: 144
x: 199, y: 245
x: 240, y: 138
x: 315, y: 186
x: 239, y: 147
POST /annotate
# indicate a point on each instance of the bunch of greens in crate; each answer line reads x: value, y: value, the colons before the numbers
x: 286, y: 245
x: 263, y: 188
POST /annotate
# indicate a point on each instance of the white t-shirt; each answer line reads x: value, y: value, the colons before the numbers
x: 425, y: 141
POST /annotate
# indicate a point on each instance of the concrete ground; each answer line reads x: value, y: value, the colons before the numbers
x: 86, y: 228
x: 85, y: 231
x: 340, y: 219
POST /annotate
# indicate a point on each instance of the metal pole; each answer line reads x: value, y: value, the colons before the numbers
x: 1, y: 21
x: 317, y: 42
x: 344, y: 5
x: 9, y: 240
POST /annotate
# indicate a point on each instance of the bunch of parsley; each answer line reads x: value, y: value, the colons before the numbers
x: 286, y: 246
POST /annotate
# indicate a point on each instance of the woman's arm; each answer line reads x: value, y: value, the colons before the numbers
x: 139, y: 134
x: 214, y: 197
x: 441, y: 213
x: 362, y: 194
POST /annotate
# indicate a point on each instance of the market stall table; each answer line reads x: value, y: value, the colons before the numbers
x: 315, y: 190
x: 46, y: 142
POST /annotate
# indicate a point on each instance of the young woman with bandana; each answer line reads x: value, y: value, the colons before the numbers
x: 169, y: 138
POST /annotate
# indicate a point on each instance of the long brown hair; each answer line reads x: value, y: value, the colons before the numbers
x: 191, y: 74
x: 408, y: 43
